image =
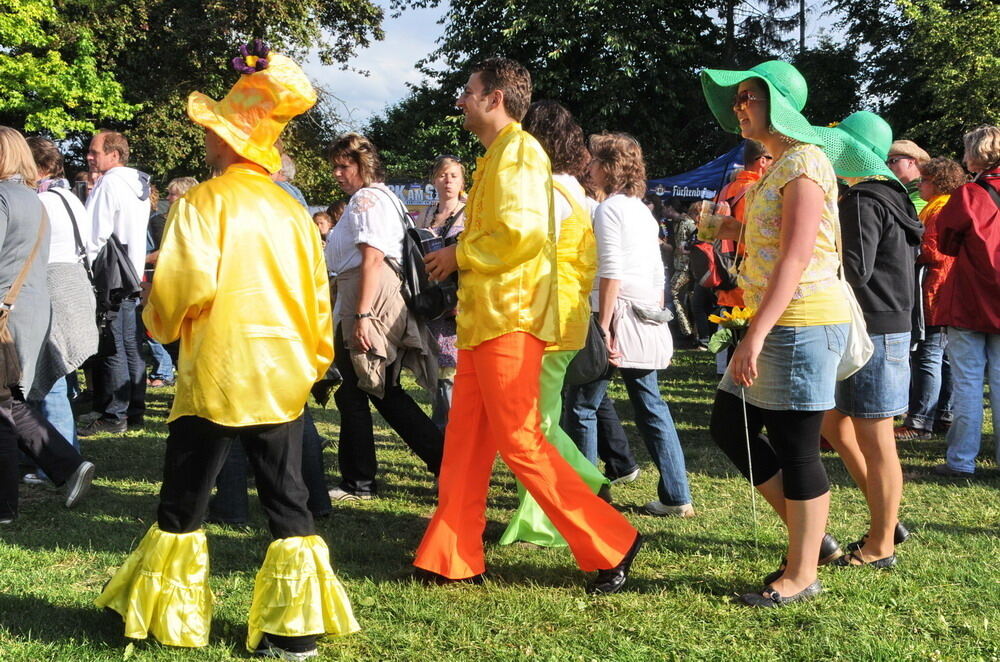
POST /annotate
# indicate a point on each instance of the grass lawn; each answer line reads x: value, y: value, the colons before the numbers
x: 942, y: 602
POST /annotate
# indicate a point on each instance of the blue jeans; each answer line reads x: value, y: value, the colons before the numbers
x: 163, y: 365
x: 56, y: 408
x: 974, y: 356
x: 652, y: 417
x: 930, y: 381
x: 122, y: 375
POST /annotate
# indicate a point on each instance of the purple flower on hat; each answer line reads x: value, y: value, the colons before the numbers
x: 252, y: 57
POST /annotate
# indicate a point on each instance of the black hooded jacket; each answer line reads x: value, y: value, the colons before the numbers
x: 881, y: 236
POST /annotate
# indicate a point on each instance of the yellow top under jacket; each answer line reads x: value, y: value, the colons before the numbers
x: 576, y: 261
x: 506, y: 254
x: 242, y: 281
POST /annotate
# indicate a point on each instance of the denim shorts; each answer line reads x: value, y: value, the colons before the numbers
x: 881, y: 389
x: 796, y: 369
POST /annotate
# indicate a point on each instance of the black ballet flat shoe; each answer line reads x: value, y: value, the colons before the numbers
x: 899, y: 536
x: 612, y: 580
x: 854, y: 560
x: 429, y: 578
x: 770, y: 598
x: 829, y: 551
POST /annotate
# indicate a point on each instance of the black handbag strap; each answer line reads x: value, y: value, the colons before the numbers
x: 992, y: 191
x: 81, y: 250
x: 446, y: 228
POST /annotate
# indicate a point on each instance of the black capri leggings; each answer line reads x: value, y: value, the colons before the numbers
x: 791, y: 445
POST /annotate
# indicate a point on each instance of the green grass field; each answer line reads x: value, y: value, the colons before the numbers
x: 942, y: 602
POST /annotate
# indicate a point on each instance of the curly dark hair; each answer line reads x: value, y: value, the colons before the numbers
x: 946, y: 175
x: 620, y: 156
x: 511, y: 78
x: 561, y: 137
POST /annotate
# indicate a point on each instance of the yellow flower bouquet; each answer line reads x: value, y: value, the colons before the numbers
x: 732, y: 325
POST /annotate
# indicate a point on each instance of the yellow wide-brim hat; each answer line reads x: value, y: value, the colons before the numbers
x: 251, y: 117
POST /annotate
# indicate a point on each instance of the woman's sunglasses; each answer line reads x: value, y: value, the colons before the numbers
x: 741, y: 99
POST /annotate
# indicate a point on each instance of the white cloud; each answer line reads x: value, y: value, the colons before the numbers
x: 390, y: 64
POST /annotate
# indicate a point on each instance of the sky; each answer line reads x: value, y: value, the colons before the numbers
x: 390, y: 64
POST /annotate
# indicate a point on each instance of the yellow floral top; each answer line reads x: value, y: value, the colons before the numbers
x: 241, y: 280
x: 816, y: 300
x: 506, y: 255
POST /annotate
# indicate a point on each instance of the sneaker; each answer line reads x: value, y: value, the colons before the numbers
x: 947, y: 471
x: 79, y: 483
x: 4, y: 521
x: 340, y: 494
x: 266, y: 648
x: 662, y: 510
x: 627, y: 478
x: 103, y: 426
x: 33, y: 479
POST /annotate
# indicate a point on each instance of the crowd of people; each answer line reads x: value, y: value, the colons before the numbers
x: 554, y: 264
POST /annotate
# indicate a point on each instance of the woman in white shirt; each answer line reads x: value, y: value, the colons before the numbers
x: 369, y: 307
x: 629, y: 305
x: 73, y: 335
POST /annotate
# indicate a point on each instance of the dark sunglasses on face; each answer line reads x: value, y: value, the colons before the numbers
x: 741, y: 99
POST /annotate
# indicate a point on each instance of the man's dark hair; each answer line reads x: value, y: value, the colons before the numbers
x: 47, y: 156
x: 511, y: 78
x: 560, y: 136
x: 115, y: 142
x: 752, y: 151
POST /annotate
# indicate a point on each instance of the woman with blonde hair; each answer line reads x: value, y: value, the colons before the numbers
x: 969, y: 230
x: 446, y: 218
x: 24, y: 253
x: 629, y: 305
x: 375, y: 335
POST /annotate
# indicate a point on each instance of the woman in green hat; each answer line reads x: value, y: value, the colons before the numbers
x: 881, y: 237
x: 783, y: 372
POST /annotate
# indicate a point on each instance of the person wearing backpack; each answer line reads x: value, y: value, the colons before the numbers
x: 120, y: 207
x: 969, y: 229
x: 375, y: 334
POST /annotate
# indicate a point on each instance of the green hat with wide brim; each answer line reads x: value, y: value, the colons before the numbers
x: 858, y: 146
x: 787, y: 92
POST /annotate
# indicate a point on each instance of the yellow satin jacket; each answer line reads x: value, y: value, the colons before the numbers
x: 506, y: 254
x: 242, y: 281
x: 576, y: 261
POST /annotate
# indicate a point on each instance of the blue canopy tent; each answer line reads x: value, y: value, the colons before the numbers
x: 702, y: 182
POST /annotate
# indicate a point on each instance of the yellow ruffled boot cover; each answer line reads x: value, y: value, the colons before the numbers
x: 296, y: 593
x: 162, y: 589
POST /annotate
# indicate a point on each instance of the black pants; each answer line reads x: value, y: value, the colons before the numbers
x: 356, y: 451
x: 23, y: 427
x: 791, y: 445
x: 230, y: 503
x: 196, y: 450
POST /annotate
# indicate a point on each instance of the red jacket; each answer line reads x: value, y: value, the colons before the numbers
x: 969, y: 228
x: 938, y: 265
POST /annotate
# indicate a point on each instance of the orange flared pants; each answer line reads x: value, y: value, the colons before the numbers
x: 495, y: 409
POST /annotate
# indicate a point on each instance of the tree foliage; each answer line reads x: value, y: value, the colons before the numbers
x: 50, y: 80
x: 631, y: 67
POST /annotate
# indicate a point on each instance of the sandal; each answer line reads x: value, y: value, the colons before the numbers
x: 854, y: 560
x: 906, y: 433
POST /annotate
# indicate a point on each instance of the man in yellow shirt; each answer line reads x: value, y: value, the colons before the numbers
x: 507, y: 314
x: 242, y: 282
